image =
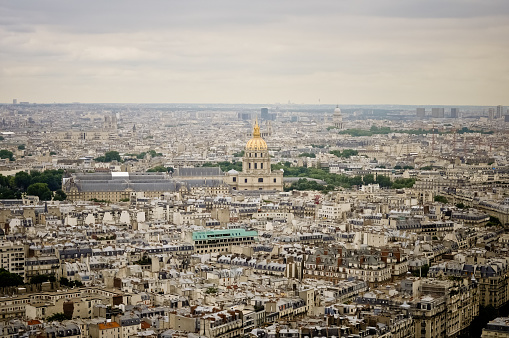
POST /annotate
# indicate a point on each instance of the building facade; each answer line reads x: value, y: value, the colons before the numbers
x: 256, y: 172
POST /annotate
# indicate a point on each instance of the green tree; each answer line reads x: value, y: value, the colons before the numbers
x: 40, y: 189
x: 211, y: 290
x: 22, y: 180
x: 225, y: 165
x: 109, y: 156
x: 7, y: 154
x: 347, y: 153
x: 8, y: 279
x: 441, y: 199
x: 336, y: 153
x: 66, y: 282
x: 154, y: 154
x: 307, y: 155
x: 57, y: 317
x: 368, y: 179
x: 159, y: 168
x: 145, y: 260
x: 384, y: 181
x: 60, y: 195
x: 494, y: 221
x: 39, y: 279
x: 21, y: 147
x: 53, y: 178
x: 259, y: 307
x: 403, y: 183
x: 423, y: 271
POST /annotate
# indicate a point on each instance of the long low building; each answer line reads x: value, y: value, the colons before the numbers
x: 118, y: 186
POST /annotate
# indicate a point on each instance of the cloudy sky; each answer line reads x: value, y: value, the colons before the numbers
x: 265, y: 51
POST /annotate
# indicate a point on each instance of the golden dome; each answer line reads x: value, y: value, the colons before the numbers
x: 256, y: 143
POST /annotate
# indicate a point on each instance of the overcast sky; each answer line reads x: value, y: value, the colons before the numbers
x: 212, y: 51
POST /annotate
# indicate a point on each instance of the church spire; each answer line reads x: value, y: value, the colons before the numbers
x: 256, y: 129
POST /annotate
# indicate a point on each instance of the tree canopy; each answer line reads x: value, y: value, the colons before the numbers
x: 13, y: 186
x: 336, y: 180
x: 9, y: 279
x: 6, y: 154
x: 41, y: 190
x: 109, y: 156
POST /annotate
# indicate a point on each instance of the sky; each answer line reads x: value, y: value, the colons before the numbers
x: 418, y: 52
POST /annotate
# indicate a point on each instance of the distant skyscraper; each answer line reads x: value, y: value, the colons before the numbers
x: 420, y: 112
x: 14, y: 101
x: 507, y: 118
x: 264, y: 114
x: 244, y: 116
x: 454, y: 113
x: 437, y: 112
x: 491, y: 113
x: 500, y: 112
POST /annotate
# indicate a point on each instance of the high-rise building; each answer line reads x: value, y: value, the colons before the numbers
x: 264, y: 114
x: 14, y: 101
x: 244, y: 116
x: 491, y: 113
x: 500, y: 112
x: 437, y: 112
x: 420, y: 112
x: 454, y: 113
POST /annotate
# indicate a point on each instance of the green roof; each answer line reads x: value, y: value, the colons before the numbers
x: 201, y: 235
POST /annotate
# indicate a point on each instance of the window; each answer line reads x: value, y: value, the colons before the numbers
x: 256, y: 165
x: 256, y: 154
x: 235, y: 179
x: 260, y: 180
x: 249, y: 165
x: 275, y: 180
x: 245, y: 180
x: 261, y: 165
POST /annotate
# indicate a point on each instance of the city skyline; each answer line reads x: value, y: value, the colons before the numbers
x: 419, y: 53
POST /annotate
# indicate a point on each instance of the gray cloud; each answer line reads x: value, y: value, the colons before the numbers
x: 442, y: 52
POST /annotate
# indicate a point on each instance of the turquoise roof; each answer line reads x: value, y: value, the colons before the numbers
x: 201, y: 235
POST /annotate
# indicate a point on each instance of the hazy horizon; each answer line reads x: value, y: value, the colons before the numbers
x: 395, y: 52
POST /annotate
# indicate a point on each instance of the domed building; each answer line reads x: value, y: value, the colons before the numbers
x: 337, y: 118
x: 256, y: 173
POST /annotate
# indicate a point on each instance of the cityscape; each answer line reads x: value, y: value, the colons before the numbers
x: 326, y: 169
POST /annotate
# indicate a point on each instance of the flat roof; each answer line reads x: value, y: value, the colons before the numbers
x: 223, y: 233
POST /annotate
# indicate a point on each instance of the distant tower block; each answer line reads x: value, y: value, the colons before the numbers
x: 420, y: 112
x: 437, y: 112
x: 454, y: 113
x: 14, y: 101
x: 337, y: 118
x: 264, y: 114
x: 491, y: 113
x: 500, y: 112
